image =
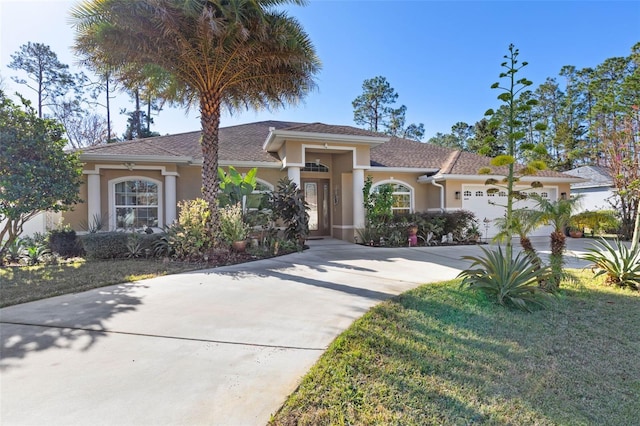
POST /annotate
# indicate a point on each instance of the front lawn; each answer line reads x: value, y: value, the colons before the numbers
x: 20, y: 284
x: 439, y: 355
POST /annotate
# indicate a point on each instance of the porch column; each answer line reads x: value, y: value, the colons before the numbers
x: 294, y: 174
x: 169, y: 199
x: 358, y: 198
x: 94, y: 210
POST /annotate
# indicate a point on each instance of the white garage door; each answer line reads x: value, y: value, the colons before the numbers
x: 476, y: 199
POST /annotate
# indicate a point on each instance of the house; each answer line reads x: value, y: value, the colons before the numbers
x: 596, y: 187
x: 139, y: 183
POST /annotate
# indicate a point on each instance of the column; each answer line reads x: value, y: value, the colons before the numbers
x: 358, y: 198
x: 94, y: 210
x: 294, y: 174
x: 170, y: 199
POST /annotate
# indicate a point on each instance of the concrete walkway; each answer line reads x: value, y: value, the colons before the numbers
x: 221, y: 346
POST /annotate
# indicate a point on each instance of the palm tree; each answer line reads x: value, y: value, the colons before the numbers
x: 222, y: 54
x: 558, y: 214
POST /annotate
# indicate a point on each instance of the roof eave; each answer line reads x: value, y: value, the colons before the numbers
x: 483, y: 178
x: 403, y: 169
x: 276, y: 138
x: 137, y: 158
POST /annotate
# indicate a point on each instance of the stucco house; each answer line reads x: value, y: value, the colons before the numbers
x: 596, y: 187
x: 139, y: 183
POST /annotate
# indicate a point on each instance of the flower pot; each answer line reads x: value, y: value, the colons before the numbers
x: 239, y: 246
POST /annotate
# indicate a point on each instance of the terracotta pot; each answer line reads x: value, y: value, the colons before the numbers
x: 239, y: 246
x: 575, y: 234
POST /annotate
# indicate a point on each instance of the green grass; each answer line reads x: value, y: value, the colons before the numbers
x: 440, y: 355
x: 20, y: 284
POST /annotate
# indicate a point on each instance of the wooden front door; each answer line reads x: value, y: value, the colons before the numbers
x: 316, y: 193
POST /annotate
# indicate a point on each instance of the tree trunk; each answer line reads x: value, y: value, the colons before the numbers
x: 636, y: 230
x: 210, y: 121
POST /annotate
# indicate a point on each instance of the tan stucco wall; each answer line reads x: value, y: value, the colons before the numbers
x: 77, y: 217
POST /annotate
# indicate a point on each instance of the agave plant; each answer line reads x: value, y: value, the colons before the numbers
x: 512, y: 281
x: 619, y: 263
x: 15, y: 251
x: 36, y: 254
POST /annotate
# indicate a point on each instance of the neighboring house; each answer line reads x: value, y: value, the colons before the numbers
x: 596, y: 187
x: 138, y: 183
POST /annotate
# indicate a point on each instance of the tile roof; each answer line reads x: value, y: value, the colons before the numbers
x: 244, y: 143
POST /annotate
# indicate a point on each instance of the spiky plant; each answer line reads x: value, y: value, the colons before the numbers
x: 619, y: 263
x: 512, y: 281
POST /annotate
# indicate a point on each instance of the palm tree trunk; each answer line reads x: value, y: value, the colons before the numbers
x: 210, y: 121
x: 558, y: 241
x: 525, y: 242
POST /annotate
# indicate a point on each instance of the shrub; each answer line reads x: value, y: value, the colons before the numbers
x: 232, y: 225
x: 287, y: 203
x: 64, y: 242
x: 620, y: 264
x: 114, y: 245
x: 188, y: 238
x: 36, y: 254
x: 512, y: 281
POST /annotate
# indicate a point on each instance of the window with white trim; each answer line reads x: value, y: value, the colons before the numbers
x: 479, y: 193
x: 315, y: 167
x: 544, y: 194
x: 136, y: 204
x: 467, y: 193
x: 502, y: 194
x: 256, y: 200
x: 402, y: 197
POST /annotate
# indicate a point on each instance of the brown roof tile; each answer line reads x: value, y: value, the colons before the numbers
x: 244, y: 143
x: 407, y: 153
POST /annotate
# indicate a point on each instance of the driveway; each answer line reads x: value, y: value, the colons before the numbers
x: 219, y: 346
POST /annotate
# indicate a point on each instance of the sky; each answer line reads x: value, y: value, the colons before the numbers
x: 441, y: 57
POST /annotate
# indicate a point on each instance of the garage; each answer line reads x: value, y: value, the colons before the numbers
x: 489, y: 205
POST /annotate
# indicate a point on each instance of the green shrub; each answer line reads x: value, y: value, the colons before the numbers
x: 232, y: 224
x: 620, y: 264
x: 511, y: 281
x: 188, y: 238
x: 15, y: 251
x: 114, y: 245
x: 64, y: 242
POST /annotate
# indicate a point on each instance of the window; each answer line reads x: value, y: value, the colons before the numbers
x: 402, y: 197
x: 502, y: 194
x: 544, y: 195
x: 256, y: 200
x: 467, y: 193
x: 479, y: 193
x: 136, y: 204
x: 315, y: 167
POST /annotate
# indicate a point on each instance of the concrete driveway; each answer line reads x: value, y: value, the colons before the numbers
x: 220, y: 346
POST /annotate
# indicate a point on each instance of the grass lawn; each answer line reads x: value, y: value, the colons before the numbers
x: 439, y: 355
x: 24, y: 284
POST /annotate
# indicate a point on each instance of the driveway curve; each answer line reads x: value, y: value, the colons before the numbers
x: 223, y: 346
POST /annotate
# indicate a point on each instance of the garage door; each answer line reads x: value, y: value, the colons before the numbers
x: 489, y: 206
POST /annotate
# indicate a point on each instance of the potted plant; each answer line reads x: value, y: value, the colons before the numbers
x: 234, y: 229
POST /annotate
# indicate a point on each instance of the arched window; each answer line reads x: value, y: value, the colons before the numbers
x: 315, y: 167
x: 402, y: 197
x: 257, y: 199
x: 136, y: 204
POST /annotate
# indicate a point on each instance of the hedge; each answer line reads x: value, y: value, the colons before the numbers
x: 113, y: 245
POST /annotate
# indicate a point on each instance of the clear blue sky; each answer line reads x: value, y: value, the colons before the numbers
x: 441, y: 57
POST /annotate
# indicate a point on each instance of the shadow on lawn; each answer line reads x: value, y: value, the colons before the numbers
x: 75, y: 322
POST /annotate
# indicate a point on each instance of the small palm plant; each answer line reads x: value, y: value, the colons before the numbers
x: 619, y: 263
x: 15, y: 251
x: 512, y: 281
x: 36, y: 254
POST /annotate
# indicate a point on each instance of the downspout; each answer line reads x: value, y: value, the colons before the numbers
x: 434, y: 183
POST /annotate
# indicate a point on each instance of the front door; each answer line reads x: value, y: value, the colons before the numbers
x: 316, y: 193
